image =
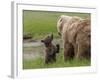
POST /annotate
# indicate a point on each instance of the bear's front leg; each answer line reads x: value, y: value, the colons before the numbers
x: 54, y: 57
x: 81, y: 50
x: 47, y: 58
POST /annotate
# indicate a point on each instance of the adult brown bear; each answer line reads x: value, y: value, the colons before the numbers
x: 76, y: 36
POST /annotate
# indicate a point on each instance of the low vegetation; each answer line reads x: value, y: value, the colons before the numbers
x: 39, y: 63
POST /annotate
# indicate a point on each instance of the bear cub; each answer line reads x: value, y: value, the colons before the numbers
x: 50, y: 49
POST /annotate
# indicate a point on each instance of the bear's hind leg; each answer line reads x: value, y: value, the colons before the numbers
x: 68, y: 51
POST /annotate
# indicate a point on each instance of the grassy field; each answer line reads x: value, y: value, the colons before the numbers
x: 39, y: 63
x: 39, y: 24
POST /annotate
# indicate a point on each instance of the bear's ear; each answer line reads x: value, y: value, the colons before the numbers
x: 51, y: 36
x: 60, y: 19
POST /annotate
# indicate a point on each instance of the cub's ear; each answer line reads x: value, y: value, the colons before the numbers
x: 52, y: 36
x: 42, y: 40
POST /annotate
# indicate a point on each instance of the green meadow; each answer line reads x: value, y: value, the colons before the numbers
x: 39, y: 24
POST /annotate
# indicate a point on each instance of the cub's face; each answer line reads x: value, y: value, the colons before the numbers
x: 47, y: 41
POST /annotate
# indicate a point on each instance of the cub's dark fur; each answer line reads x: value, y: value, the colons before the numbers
x: 50, y: 49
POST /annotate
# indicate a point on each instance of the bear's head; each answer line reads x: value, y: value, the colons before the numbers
x: 47, y: 40
x: 61, y: 21
x: 66, y: 21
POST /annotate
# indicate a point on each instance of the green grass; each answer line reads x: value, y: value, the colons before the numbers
x: 40, y: 23
x: 39, y: 63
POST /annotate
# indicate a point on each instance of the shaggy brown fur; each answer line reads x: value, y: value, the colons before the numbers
x: 76, y: 36
x: 50, y: 50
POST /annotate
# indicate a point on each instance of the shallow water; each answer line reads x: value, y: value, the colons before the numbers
x: 33, y: 50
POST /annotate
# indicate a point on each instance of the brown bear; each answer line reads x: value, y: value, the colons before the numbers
x: 50, y: 49
x: 76, y: 36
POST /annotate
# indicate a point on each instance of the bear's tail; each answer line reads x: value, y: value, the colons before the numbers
x: 58, y: 48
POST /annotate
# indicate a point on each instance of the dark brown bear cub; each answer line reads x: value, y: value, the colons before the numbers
x: 50, y: 49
